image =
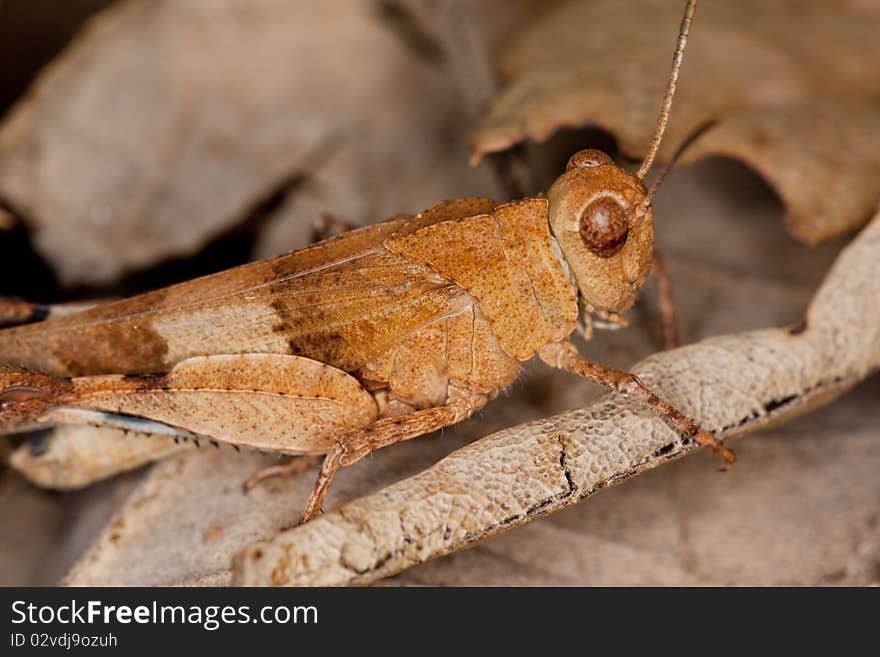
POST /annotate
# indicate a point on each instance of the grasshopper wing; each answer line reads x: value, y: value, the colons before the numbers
x: 343, y: 302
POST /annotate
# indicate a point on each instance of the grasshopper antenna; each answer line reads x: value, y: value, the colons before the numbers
x: 663, y: 118
x: 690, y: 139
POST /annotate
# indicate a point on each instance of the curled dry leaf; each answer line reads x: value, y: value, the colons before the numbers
x: 71, y: 456
x: 731, y: 385
x: 827, y: 177
x: 793, y: 86
x: 167, y: 123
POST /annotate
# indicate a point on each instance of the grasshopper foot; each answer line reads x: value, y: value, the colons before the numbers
x: 705, y: 438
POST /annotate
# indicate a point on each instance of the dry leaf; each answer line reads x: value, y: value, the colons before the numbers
x: 167, y: 123
x: 786, y: 81
x: 827, y: 177
x: 684, y: 524
x: 37, y: 519
x: 44, y: 532
x: 72, y: 456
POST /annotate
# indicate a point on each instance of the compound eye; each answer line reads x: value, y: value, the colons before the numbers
x: 587, y: 158
x: 603, y: 227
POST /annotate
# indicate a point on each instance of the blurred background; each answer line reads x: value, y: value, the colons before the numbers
x: 31, y: 34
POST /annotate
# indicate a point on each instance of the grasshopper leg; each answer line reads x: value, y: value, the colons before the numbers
x: 294, y: 466
x: 355, y: 445
x: 665, y: 301
x: 329, y: 225
x: 328, y: 470
x: 565, y: 356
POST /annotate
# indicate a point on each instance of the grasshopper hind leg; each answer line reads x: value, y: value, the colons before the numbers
x: 296, y: 465
x: 354, y: 445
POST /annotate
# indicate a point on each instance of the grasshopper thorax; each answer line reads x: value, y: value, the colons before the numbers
x: 599, y: 216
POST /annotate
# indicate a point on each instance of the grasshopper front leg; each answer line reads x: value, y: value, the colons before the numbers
x: 666, y: 301
x: 564, y: 355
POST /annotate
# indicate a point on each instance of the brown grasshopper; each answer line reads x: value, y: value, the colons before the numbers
x: 371, y: 337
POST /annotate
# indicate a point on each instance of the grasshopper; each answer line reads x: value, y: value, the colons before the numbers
x: 371, y: 337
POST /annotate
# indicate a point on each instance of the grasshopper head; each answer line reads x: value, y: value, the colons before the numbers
x: 603, y: 222
x: 602, y: 216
